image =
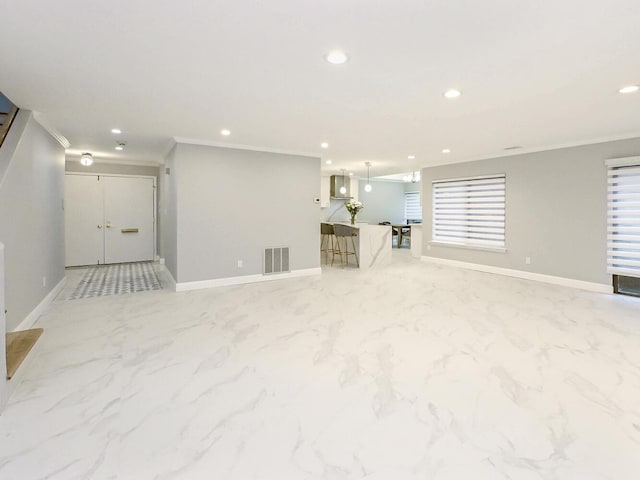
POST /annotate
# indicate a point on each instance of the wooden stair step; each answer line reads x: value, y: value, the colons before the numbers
x: 19, y: 344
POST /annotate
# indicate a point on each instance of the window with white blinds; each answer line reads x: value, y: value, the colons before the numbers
x: 412, y: 207
x: 470, y: 212
x: 623, y: 223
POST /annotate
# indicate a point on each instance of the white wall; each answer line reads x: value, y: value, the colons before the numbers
x: 230, y: 204
x: 31, y: 216
x: 3, y: 348
x: 556, y: 210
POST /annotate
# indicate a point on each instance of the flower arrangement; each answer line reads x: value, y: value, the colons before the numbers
x: 353, y: 208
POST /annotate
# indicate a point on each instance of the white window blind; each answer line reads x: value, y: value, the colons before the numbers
x: 470, y: 212
x: 623, y: 224
x: 412, y: 207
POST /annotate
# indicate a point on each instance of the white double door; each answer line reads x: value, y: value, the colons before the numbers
x: 109, y: 219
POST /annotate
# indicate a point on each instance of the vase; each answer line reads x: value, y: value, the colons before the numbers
x: 353, y: 219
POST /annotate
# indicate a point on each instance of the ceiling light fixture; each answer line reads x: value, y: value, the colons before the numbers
x: 86, y: 159
x: 328, y: 162
x: 368, y: 187
x: 411, y: 157
x: 629, y: 89
x: 225, y: 132
x: 413, y: 178
x: 336, y: 57
x: 452, y: 93
x: 117, y: 131
x: 446, y: 150
x: 324, y: 145
x: 343, y: 188
x: 120, y: 147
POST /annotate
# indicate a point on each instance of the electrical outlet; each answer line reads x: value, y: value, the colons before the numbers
x: 527, y: 260
x: 428, y: 247
x: 44, y: 281
x: 239, y: 263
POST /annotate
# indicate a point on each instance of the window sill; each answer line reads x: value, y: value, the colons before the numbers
x: 469, y: 247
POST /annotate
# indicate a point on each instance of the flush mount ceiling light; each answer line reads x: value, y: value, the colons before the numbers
x: 86, y: 159
x: 116, y: 131
x: 324, y: 145
x: 411, y: 157
x: 452, y: 93
x: 343, y: 188
x: 446, y: 150
x: 328, y: 162
x: 336, y: 57
x: 368, y: 187
x: 225, y: 132
x: 120, y: 147
x: 629, y: 89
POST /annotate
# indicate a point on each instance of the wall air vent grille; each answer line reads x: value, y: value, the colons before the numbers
x: 276, y: 260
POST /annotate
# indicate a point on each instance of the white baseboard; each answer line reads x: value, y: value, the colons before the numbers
x: 31, y: 319
x: 225, y: 282
x: 166, y: 279
x: 538, y: 277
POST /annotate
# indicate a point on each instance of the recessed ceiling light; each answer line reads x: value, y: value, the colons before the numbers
x: 629, y: 89
x: 328, y: 162
x: 336, y: 57
x: 452, y: 93
x: 324, y: 145
x: 351, y: 174
x: 117, y: 131
x: 225, y: 132
x: 446, y: 150
x: 411, y: 157
x: 120, y: 147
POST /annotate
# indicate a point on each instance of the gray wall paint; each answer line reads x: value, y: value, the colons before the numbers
x: 231, y: 204
x: 72, y: 165
x: 31, y: 218
x: 169, y: 215
x: 556, y: 210
x: 385, y: 202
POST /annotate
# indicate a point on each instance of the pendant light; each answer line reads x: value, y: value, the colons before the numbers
x: 368, y: 187
x: 343, y: 188
x: 86, y: 159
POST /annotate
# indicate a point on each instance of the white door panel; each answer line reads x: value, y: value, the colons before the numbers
x: 84, y: 224
x: 101, y: 216
x: 128, y: 206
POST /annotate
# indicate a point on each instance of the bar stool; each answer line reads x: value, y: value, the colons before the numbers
x: 345, y: 232
x: 328, y: 240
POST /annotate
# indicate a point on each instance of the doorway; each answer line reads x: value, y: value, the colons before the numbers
x: 109, y: 219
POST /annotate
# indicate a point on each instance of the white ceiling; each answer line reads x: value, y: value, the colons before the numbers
x: 533, y: 74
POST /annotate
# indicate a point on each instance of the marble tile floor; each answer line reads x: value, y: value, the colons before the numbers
x: 414, y: 371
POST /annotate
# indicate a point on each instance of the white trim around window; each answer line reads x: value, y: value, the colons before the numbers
x: 623, y: 216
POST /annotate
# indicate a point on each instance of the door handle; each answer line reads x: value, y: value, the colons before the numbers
x: 109, y: 224
x: 99, y: 226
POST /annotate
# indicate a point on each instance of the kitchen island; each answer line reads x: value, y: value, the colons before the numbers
x: 373, y: 245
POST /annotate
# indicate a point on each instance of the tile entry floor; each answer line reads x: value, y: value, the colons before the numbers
x: 414, y: 371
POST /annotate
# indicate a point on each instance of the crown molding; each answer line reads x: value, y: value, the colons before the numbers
x: 557, y: 146
x: 254, y: 148
x: 44, y: 123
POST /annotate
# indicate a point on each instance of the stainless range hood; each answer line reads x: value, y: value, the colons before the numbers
x: 338, y: 181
